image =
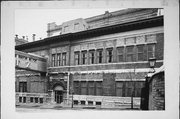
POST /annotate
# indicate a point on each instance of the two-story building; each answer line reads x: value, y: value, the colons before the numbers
x: 100, y: 56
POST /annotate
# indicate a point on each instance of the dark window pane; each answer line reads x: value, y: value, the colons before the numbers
x: 109, y: 55
x: 58, y: 59
x: 84, y: 57
x: 91, y: 88
x: 99, y: 56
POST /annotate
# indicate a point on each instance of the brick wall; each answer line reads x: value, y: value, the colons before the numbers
x: 157, y: 92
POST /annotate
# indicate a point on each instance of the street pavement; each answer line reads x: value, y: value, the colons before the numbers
x: 47, y: 107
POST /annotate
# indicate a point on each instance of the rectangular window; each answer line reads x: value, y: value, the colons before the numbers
x: 53, y: 60
x: 91, y: 88
x: 76, y: 87
x: 31, y: 99
x: 84, y: 57
x: 119, y: 89
x: 36, y: 99
x: 91, y: 57
x: 120, y: 54
x: 22, y: 86
x: 59, y: 59
x: 77, y: 58
x: 83, y: 88
x: 64, y: 59
x: 24, y: 99
x: 130, y: 54
x: 99, y: 88
x: 151, y: 50
x: 138, y: 86
x: 99, y: 56
x: 128, y: 89
x: 41, y: 100
x: 20, y: 99
x: 140, y: 52
x: 109, y: 55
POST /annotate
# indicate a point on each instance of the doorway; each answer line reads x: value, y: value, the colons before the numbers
x: 58, y: 91
x: 58, y: 96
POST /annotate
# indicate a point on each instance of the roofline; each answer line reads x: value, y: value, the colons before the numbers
x: 118, y: 28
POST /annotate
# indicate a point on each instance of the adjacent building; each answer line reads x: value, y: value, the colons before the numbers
x: 100, y: 56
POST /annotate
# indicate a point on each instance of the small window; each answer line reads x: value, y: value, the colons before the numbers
x: 83, y: 102
x: 41, y: 100
x: 24, y: 99
x: 98, y: 103
x: 36, y: 99
x: 20, y: 99
x: 31, y: 99
x: 75, y: 102
x: 90, y: 102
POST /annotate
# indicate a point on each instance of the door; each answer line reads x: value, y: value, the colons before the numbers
x: 58, y: 96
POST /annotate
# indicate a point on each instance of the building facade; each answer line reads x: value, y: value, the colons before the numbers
x: 101, y: 56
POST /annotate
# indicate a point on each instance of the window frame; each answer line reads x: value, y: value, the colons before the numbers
x: 100, y: 56
x: 58, y: 59
x: 140, y: 52
x: 130, y: 54
x: 91, y: 57
x: 84, y: 57
x: 120, y: 54
x: 64, y: 58
x: 77, y: 59
x: 109, y: 57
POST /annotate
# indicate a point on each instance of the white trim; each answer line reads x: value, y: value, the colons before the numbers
x: 130, y: 79
x: 102, y: 64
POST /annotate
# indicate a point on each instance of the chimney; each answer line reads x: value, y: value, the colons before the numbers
x: 16, y: 36
x: 23, y: 37
x: 33, y: 37
x: 27, y: 38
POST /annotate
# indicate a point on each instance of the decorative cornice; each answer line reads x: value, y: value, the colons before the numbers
x: 118, y: 28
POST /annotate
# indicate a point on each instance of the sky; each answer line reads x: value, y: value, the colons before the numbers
x: 34, y: 21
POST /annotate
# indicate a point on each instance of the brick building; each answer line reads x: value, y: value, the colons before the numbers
x: 101, y: 56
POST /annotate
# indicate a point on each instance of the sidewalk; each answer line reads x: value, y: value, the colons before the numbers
x: 75, y: 107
